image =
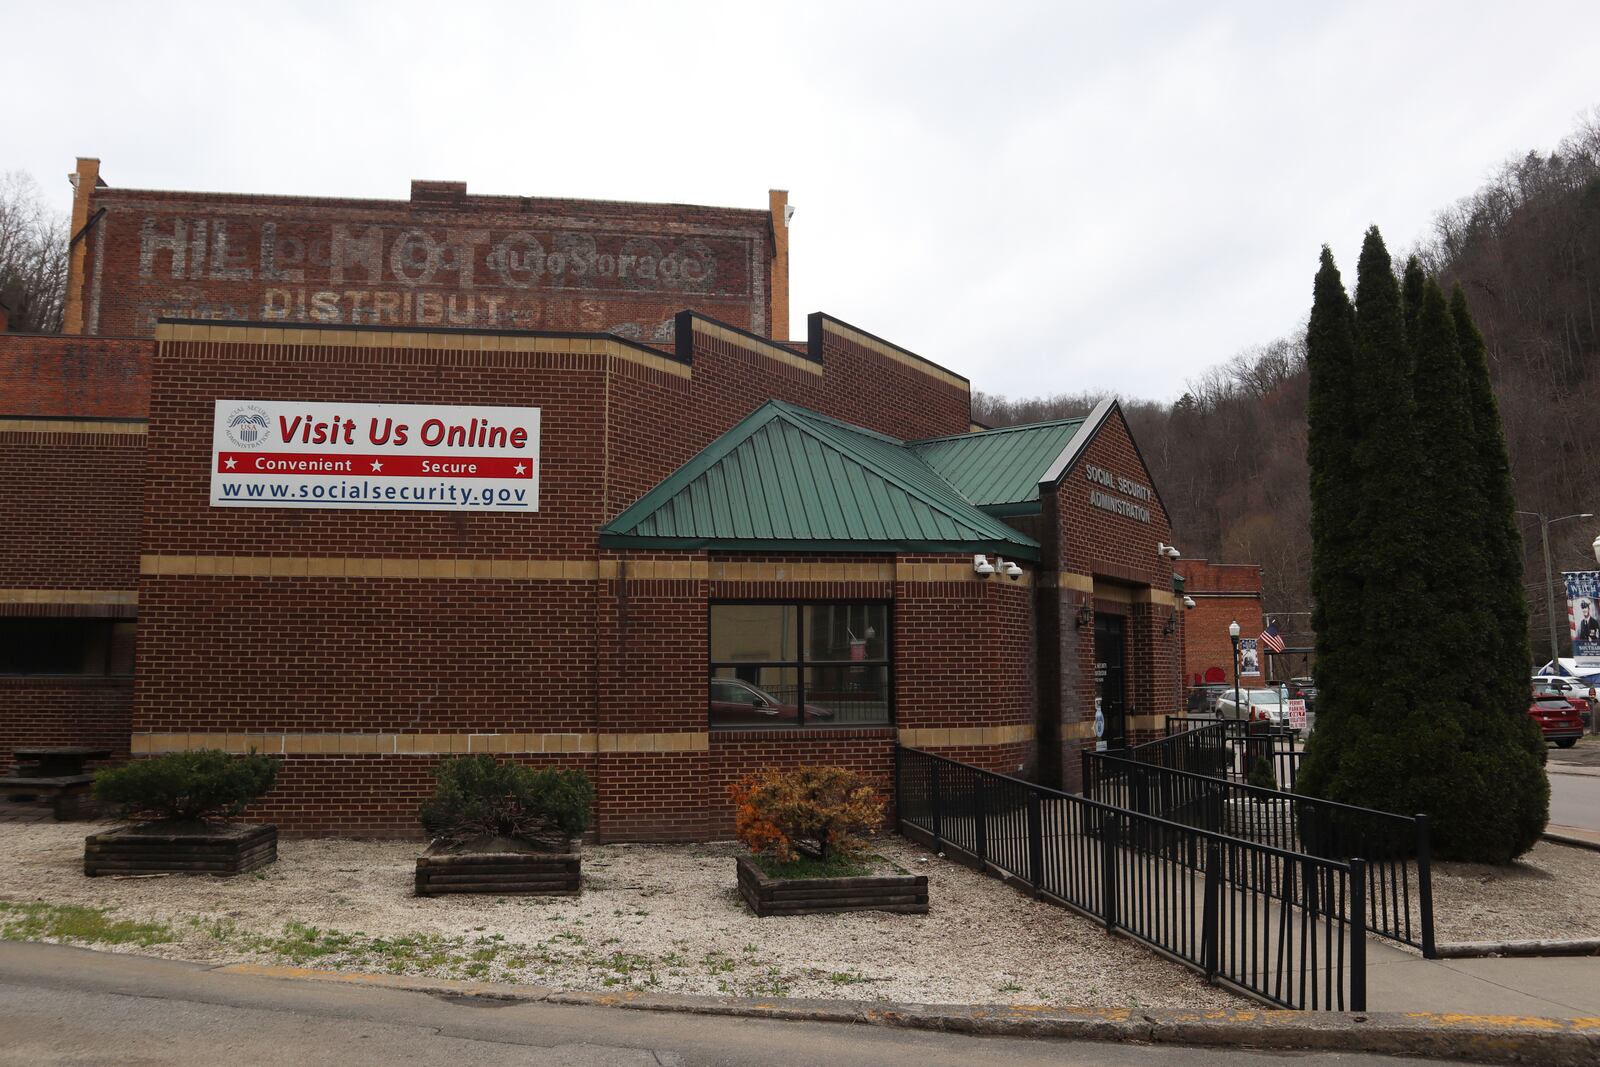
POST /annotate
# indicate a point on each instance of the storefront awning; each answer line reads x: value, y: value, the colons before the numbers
x: 790, y: 480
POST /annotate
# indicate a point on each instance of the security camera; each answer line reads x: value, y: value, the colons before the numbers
x: 981, y: 566
x: 1012, y: 571
x: 1161, y: 548
x: 1172, y: 552
x: 1188, y: 601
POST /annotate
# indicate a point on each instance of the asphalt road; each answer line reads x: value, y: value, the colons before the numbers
x: 71, y: 1006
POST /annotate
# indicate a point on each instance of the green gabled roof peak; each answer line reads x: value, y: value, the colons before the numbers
x: 786, y: 478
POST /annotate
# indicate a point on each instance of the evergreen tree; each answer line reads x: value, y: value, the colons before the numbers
x: 1335, y: 495
x: 1429, y: 714
x: 1411, y: 288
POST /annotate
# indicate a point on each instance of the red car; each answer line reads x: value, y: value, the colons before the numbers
x: 1558, y: 719
x: 738, y: 703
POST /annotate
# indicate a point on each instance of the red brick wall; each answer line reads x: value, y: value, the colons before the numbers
x: 72, y: 510
x: 84, y: 377
x: 441, y: 258
x: 1118, y: 553
x: 60, y: 710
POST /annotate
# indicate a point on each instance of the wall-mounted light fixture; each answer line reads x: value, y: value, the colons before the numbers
x: 1085, y: 615
x: 1171, y: 624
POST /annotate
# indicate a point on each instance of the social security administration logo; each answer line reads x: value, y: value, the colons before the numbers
x: 247, y: 427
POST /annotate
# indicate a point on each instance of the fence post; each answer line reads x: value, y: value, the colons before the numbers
x: 1358, y: 935
x: 1035, y: 840
x: 1211, y: 913
x: 1108, y: 870
x: 1425, y: 887
x: 899, y: 784
x: 980, y: 831
x: 936, y: 804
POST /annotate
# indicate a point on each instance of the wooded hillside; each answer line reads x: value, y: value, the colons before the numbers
x: 1229, y: 455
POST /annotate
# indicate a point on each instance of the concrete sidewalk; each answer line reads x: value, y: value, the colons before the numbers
x: 1565, y: 987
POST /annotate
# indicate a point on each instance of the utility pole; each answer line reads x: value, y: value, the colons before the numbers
x: 1545, y: 522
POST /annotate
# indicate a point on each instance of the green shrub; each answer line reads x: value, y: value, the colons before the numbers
x: 476, y: 797
x: 1261, y: 773
x: 203, y: 785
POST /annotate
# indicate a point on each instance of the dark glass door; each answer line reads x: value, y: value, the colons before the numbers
x: 1110, y: 658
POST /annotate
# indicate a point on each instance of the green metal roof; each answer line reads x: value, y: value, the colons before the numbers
x: 789, y: 479
x: 999, y: 469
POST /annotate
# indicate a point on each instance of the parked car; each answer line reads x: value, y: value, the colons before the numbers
x: 1203, y: 698
x: 1302, y: 689
x: 738, y: 703
x: 1576, y: 691
x: 1557, y: 718
x: 1257, y: 705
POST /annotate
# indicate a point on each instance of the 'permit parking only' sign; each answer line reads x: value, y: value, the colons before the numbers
x: 418, y: 457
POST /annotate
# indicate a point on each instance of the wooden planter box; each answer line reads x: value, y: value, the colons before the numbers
x: 506, y: 873
x: 906, y: 893
x: 153, y: 849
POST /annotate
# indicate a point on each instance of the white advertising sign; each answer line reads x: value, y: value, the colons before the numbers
x: 404, y: 457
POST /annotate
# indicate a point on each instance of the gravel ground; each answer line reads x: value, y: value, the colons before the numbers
x: 1552, y: 892
x: 657, y: 917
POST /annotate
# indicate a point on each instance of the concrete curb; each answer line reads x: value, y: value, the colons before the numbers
x: 1496, y: 1039
x: 1563, y: 837
x: 1468, y: 950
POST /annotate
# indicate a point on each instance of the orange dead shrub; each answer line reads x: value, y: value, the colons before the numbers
x: 824, y: 812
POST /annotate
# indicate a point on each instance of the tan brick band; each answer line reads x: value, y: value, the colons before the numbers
x: 1084, y: 731
x: 1081, y: 583
x: 899, y: 355
x: 68, y: 596
x: 551, y: 570
x: 441, y: 342
x: 73, y: 426
x: 965, y: 736
x: 757, y: 347
x: 354, y: 744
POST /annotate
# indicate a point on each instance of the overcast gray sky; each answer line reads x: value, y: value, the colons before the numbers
x: 1043, y: 197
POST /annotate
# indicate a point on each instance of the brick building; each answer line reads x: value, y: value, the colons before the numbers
x: 1223, y: 593
x: 710, y: 550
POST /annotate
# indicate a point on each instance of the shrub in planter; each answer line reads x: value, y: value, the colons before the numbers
x: 1261, y: 773
x: 181, y: 804
x: 807, y: 827
x: 503, y: 828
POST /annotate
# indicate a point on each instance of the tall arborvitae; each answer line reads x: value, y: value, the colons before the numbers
x: 1385, y: 532
x: 1411, y: 290
x: 1335, y: 494
x: 1429, y: 714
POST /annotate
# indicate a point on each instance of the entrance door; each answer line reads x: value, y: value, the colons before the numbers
x: 1110, y: 658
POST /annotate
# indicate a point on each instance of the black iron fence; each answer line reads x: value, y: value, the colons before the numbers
x: 1224, y: 748
x: 1396, y: 848
x: 1283, y: 926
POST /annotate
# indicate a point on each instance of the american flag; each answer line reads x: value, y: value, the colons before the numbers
x: 1271, y: 638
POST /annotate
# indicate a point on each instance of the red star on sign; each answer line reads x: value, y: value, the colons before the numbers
x: 377, y: 465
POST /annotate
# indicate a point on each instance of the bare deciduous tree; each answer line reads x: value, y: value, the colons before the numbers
x: 33, y: 256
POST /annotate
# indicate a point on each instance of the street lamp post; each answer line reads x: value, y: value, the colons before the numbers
x: 1233, y: 635
x: 1545, y: 522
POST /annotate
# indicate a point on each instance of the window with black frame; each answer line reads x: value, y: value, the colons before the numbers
x: 789, y: 665
x: 30, y: 645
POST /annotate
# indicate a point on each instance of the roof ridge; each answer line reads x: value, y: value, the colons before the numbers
x: 997, y: 430
x: 798, y: 415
